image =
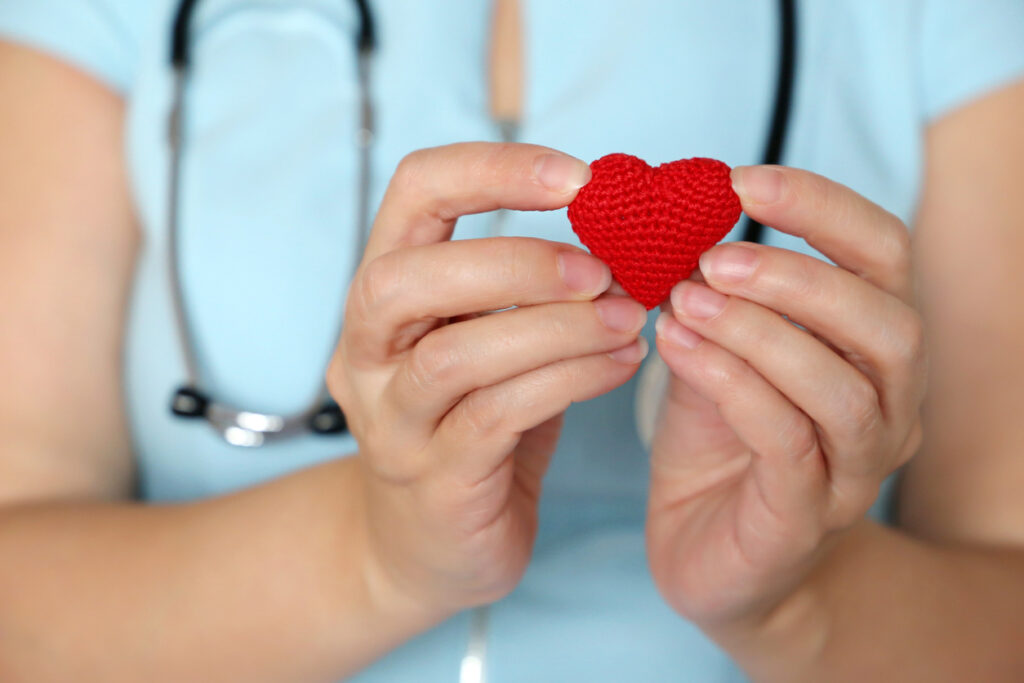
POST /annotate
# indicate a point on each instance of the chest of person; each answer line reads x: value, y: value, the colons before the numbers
x: 271, y: 177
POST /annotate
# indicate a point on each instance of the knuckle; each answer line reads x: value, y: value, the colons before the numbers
x: 908, y: 342
x: 859, y: 409
x: 561, y: 328
x: 409, y: 173
x: 492, y: 164
x: 500, y: 155
x: 481, y: 412
x: 828, y: 200
x: 378, y: 284
x: 798, y: 438
x: 572, y: 377
x: 729, y: 376
x: 898, y: 247
x: 526, y: 263
x: 434, y: 361
x: 761, y: 331
x: 800, y: 281
x: 515, y: 261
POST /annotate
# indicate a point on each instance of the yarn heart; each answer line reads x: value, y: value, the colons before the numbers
x: 650, y: 225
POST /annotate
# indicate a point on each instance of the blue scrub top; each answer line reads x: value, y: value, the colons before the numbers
x: 269, y: 197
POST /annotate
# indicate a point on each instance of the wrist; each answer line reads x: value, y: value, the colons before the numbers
x: 781, y: 636
x: 775, y: 643
x: 386, y: 592
x: 362, y: 614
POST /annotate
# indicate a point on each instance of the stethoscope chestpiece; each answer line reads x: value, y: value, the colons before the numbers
x: 328, y: 420
x: 246, y: 428
x: 189, y: 402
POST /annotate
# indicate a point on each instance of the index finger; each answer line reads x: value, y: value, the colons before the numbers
x: 432, y: 187
x: 405, y: 293
x: 856, y: 234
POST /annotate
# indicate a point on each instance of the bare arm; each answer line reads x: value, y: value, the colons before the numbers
x: 966, y: 483
x: 270, y: 584
x: 67, y: 242
x: 943, y: 598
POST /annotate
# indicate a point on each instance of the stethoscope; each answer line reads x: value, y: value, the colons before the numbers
x: 323, y: 416
x: 250, y: 428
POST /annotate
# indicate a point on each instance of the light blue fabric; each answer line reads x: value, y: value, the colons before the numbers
x: 268, y: 202
x: 98, y: 36
x: 966, y: 48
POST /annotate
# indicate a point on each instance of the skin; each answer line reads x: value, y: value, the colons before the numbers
x: 773, y: 436
x: 313, y: 576
x: 774, y: 439
x: 455, y: 430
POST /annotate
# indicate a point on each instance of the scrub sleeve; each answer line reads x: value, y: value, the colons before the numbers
x: 967, y: 49
x: 97, y: 36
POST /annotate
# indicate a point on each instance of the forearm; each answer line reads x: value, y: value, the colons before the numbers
x: 883, y: 604
x: 269, y: 584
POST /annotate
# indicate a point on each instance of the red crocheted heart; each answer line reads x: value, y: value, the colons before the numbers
x: 650, y: 225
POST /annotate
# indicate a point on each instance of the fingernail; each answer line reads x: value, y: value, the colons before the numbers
x: 697, y: 301
x: 560, y: 172
x: 621, y: 314
x: 669, y: 329
x: 583, y: 273
x: 758, y: 184
x: 730, y: 264
x: 632, y: 354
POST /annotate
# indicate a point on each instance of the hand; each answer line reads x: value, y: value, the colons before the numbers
x: 773, y: 438
x: 457, y: 412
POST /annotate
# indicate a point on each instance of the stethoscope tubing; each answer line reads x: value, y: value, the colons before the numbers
x: 250, y: 428
x: 243, y: 427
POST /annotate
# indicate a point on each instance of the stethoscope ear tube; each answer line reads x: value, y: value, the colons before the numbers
x: 181, y: 47
x: 774, y: 146
x: 181, y: 43
x: 367, y: 38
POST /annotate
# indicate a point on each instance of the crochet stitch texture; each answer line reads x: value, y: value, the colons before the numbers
x: 650, y: 225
